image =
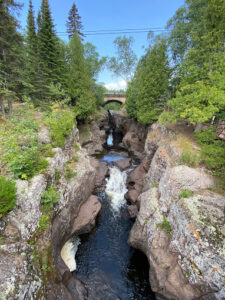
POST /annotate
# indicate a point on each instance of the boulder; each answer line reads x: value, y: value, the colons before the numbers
x: 102, y: 171
x: 132, y: 196
x: 132, y: 211
x: 44, y: 135
x: 123, y: 164
x: 85, y: 220
x: 220, y: 132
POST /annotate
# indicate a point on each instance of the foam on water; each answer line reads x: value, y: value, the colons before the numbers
x: 116, y: 188
x: 69, y: 251
x: 110, y: 139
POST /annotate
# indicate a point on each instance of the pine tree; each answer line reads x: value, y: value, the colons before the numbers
x: 80, y: 83
x: 74, y: 24
x: 10, y: 53
x: 47, y: 44
x: 31, y: 72
x: 154, y: 83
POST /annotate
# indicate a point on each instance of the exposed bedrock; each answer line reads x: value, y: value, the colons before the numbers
x: 183, y: 238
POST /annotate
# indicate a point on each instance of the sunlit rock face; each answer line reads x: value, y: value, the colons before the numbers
x: 183, y: 238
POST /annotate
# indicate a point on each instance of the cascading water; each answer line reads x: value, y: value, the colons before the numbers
x: 116, y: 188
x: 110, y: 138
x: 69, y: 251
x: 107, y: 265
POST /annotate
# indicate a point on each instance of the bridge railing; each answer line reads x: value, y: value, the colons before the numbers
x: 115, y: 94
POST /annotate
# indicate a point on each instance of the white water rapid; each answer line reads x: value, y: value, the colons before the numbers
x: 69, y: 251
x: 110, y: 139
x: 116, y: 188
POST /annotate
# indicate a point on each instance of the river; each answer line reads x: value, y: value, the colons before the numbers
x: 109, y: 267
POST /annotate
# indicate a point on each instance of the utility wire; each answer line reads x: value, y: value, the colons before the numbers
x: 117, y: 32
x: 124, y: 29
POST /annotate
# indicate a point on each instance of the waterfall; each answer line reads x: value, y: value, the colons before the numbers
x: 116, y: 188
x: 110, y: 138
x: 69, y: 251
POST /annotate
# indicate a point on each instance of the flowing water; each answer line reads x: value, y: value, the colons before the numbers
x: 109, y: 267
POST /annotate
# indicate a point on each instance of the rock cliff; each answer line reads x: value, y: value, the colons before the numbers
x: 180, y: 224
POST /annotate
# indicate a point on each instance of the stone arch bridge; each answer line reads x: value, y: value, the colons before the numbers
x: 114, y: 97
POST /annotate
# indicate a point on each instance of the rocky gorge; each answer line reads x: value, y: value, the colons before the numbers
x: 181, y: 235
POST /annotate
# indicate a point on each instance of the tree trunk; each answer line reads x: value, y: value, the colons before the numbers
x: 2, y: 106
x: 10, y: 105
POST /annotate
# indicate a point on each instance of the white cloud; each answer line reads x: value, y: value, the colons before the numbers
x: 116, y: 85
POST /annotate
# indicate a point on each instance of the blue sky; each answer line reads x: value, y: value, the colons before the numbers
x: 114, y: 14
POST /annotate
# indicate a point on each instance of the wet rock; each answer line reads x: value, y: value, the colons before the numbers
x: 132, y: 211
x: 85, y: 220
x: 123, y: 164
x: 132, y: 196
x: 102, y: 171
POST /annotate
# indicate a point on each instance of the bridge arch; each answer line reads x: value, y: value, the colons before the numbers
x: 112, y: 101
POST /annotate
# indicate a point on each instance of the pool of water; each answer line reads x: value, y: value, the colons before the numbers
x: 108, y: 266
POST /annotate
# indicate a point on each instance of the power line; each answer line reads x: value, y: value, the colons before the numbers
x: 117, y: 32
x: 124, y: 29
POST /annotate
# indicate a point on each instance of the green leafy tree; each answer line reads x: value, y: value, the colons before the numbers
x: 153, y: 83
x: 80, y: 83
x: 124, y: 64
x: 201, y: 93
x: 94, y: 63
x: 74, y: 24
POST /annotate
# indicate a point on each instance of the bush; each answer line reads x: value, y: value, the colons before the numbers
x: 185, y: 194
x: 213, y: 151
x: 69, y: 172
x: 44, y: 222
x: 189, y: 158
x: 26, y: 162
x: 112, y: 106
x: 165, y: 225
x: 7, y: 195
x: 60, y: 123
x: 49, y: 198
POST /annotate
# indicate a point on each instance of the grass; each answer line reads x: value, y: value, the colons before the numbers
x: 185, y: 194
x: 49, y: 198
x: 165, y: 226
x: 7, y: 195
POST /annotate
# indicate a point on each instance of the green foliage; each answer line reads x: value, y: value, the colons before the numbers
x: 165, y: 225
x: 94, y: 63
x: 80, y: 83
x: 213, y: 151
x: 190, y: 159
x: 185, y: 194
x: 7, y: 195
x: 112, y: 106
x: 69, y: 172
x: 154, y: 83
x: 20, y: 150
x: 57, y: 175
x: 49, y: 198
x: 60, y: 123
x: 44, y: 222
x: 123, y: 65
x: 74, y: 25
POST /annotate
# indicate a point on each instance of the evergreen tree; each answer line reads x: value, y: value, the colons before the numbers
x: 10, y: 53
x: 31, y: 71
x: 154, y: 83
x: 80, y: 82
x: 74, y: 24
x: 47, y: 45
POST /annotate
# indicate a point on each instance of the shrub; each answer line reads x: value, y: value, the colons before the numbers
x: 7, y: 195
x: 165, y: 225
x: 44, y: 222
x: 49, y: 198
x: 189, y: 158
x: 113, y: 106
x: 185, y: 194
x: 60, y: 123
x: 69, y: 172
x: 213, y: 151
x: 26, y: 162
